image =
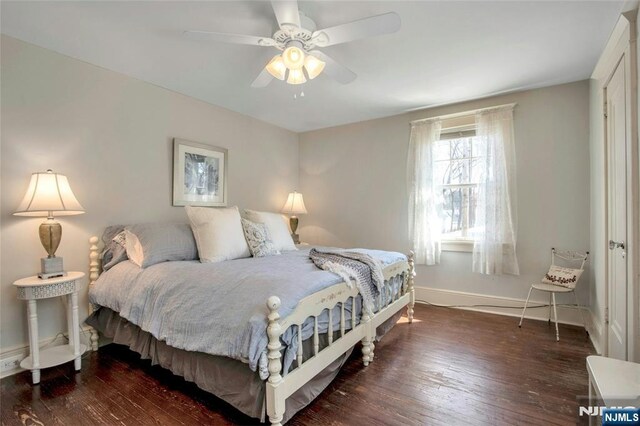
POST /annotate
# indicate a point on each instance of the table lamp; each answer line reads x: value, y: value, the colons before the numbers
x: 293, y: 207
x: 49, y: 194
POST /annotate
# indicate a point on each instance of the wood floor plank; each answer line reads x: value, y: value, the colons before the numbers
x: 450, y: 367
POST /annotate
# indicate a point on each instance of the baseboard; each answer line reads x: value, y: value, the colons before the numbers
x: 596, y: 333
x: 503, y: 305
x: 13, y: 355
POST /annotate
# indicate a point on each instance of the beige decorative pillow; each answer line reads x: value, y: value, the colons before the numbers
x: 218, y: 233
x: 257, y: 236
x: 278, y: 227
x: 564, y: 277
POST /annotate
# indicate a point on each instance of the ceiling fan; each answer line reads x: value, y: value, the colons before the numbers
x: 298, y: 40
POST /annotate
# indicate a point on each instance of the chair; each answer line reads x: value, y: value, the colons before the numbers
x: 573, y: 258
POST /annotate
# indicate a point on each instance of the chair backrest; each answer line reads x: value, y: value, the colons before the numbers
x: 572, y: 257
x: 559, y: 275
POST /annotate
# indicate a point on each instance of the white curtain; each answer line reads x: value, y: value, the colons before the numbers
x: 424, y: 228
x: 494, y: 248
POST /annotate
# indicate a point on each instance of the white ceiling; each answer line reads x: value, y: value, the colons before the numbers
x: 445, y: 51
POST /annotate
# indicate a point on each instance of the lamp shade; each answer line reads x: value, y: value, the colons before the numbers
x: 314, y: 66
x: 294, y: 204
x: 277, y: 68
x: 296, y: 77
x: 48, y: 194
x: 293, y: 57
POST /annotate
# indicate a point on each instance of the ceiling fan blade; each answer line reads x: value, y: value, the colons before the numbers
x: 287, y: 13
x: 334, y: 69
x: 386, y: 23
x: 263, y: 79
x: 230, y: 38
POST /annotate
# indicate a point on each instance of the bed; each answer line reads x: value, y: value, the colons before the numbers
x: 262, y: 342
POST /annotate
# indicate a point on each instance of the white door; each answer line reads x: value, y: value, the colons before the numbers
x: 617, y: 214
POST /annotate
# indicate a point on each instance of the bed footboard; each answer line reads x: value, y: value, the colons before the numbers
x: 411, y: 288
x: 279, y: 388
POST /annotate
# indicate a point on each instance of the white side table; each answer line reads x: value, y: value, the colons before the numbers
x: 32, y: 289
x: 612, y: 380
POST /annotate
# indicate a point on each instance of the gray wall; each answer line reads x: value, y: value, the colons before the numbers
x: 353, y: 178
x: 112, y: 136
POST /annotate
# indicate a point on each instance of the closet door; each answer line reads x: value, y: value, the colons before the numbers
x: 616, y: 135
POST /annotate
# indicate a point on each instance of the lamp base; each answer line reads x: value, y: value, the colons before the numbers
x: 51, y: 267
x: 50, y: 233
x: 293, y: 224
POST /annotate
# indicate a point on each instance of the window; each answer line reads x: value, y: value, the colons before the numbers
x: 456, y: 174
x: 461, y: 177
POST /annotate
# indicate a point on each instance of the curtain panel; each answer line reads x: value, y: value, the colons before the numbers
x: 424, y: 226
x: 494, y: 248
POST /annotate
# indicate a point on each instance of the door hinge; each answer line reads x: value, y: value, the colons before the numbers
x: 606, y: 315
x: 605, y: 110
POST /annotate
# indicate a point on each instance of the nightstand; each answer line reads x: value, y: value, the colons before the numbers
x: 32, y: 289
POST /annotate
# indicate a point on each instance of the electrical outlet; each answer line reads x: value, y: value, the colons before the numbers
x: 9, y: 364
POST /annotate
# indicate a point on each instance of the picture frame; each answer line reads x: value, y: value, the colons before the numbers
x: 199, y: 174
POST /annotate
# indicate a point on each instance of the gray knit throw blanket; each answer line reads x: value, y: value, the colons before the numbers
x: 365, y: 270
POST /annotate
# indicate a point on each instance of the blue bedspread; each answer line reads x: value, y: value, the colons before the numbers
x: 219, y: 308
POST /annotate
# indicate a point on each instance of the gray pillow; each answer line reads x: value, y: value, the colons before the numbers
x: 151, y: 243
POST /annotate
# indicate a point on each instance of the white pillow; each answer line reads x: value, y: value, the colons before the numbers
x: 133, y: 247
x: 218, y: 232
x: 564, y: 277
x: 278, y: 226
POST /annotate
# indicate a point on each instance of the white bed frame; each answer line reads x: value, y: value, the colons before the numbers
x: 279, y: 388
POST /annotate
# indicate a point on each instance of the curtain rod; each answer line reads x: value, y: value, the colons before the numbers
x: 462, y: 114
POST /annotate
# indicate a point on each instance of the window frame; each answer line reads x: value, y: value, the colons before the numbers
x: 460, y: 244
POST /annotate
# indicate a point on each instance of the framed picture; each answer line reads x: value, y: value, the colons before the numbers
x: 199, y: 174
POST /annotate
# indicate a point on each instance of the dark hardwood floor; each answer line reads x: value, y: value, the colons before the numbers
x: 449, y: 367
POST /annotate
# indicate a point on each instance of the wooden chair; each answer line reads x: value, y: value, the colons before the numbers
x: 573, y: 258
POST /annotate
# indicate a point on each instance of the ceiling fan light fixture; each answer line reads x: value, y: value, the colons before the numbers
x: 314, y: 66
x: 276, y: 67
x: 296, y: 76
x: 293, y: 57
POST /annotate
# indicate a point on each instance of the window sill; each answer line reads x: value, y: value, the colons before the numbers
x: 459, y: 246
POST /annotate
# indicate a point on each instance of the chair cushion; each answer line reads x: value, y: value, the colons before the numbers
x: 551, y: 288
x: 561, y: 276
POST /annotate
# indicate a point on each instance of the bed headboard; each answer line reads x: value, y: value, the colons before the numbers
x: 94, y: 272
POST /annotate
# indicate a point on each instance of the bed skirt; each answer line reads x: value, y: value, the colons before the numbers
x: 228, y: 379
